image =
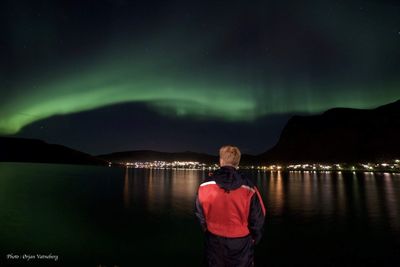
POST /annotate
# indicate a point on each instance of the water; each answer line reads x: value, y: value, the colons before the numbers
x: 89, y: 216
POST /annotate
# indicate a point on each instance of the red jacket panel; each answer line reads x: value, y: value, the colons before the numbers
x: 226, y: 213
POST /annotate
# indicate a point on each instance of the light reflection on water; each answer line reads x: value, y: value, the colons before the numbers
x: 115, y: 213
x: 161, y: 190
x: 332, y: 195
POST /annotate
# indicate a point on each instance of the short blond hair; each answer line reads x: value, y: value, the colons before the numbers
x: 230, y: 155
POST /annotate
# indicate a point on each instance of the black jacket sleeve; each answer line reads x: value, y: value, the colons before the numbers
x: 198, y: 211
x: 256, y: 218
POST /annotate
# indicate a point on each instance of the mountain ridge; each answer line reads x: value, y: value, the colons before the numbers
x: 336, y: 135
x: 340, y: 135
x: 38, y: 151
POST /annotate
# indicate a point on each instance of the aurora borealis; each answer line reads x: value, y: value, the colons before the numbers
x: 237, y: 62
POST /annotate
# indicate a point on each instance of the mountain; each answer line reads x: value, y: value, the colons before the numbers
x: 33, y: 150
x: 340, y: 135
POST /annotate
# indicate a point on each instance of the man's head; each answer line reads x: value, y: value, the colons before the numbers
x: 229, y: 156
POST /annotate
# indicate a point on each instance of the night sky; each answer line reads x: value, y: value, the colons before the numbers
x: 104, y: 76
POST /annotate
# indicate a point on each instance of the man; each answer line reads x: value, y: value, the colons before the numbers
x: 231, y: 213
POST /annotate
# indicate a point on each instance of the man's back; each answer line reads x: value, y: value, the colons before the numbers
x: 231, y: 212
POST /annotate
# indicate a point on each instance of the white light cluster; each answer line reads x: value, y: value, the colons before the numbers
x: 393, y: 165
x: 165, y: 164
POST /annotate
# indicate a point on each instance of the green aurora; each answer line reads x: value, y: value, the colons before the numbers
x: 178, y: 69
x: 174, y: 94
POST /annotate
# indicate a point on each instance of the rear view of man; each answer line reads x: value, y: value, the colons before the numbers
x: 231, y: 213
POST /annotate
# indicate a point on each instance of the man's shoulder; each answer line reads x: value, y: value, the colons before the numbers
x: 240, y: 179
x: 208, y: 180
x: 207, y: 183
x: 246, y: 180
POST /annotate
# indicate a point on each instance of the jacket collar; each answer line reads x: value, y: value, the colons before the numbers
x: 229, y: 167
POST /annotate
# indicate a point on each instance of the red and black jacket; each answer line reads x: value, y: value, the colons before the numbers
x: 229, y: 205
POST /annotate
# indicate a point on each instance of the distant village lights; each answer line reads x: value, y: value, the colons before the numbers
x: 167, y: 165
x: 391, y: 166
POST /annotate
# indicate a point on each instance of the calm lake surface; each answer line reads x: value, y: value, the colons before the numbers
x: 89, y: 216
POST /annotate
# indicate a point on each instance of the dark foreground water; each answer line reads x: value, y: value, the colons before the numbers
x: 87, y: 216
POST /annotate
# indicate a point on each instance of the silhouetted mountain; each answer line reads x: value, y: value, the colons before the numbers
x: 340, y: 135
x: 149, y: 155
x: 337, y: 135
x: 33, y: 150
